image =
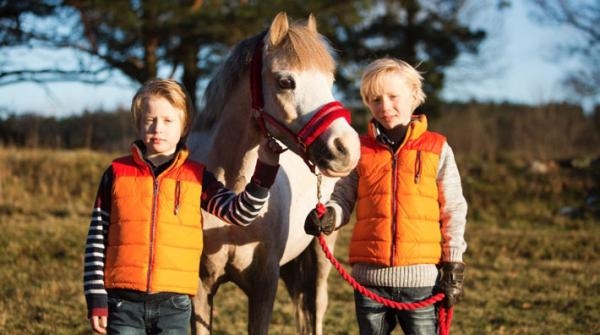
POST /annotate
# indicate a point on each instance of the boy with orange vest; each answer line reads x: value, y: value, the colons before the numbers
x: 410, y: 209
x: 144, y: 243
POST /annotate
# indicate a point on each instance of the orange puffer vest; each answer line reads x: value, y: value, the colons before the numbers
x: 155, y: 232
x: 397, y: 211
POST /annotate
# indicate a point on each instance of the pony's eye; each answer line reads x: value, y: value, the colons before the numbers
x: 286, y: 83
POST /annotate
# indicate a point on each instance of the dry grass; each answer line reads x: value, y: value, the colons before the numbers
x: 530, y: 271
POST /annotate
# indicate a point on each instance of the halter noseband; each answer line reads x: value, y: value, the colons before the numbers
x: 310, y: 131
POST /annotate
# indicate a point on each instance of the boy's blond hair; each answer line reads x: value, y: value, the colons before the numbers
x: 169, y: 89
x: 371, y: 79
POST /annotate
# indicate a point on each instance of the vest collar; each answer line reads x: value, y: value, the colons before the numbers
x: 138, y: 150
x: 416, y: 128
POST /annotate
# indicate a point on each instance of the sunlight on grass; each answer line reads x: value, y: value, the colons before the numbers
x: 529, y: 270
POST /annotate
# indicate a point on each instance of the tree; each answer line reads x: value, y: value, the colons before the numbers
x: 426, y: 34
x: 187, y: 38
x: 16, y: 31
x: 136, y: 38
x: 581, y: 16
x: 41, y: 25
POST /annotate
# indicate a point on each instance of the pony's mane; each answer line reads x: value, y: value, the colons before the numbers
x: 227, y: 75
x: 301, y: 49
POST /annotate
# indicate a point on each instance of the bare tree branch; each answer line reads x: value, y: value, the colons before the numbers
x: 53, y: 75
x: 583, y: 17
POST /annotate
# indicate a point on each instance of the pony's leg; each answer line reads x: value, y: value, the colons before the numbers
x: 299, y: 277
x: 261, y: 297
x: 212, y: 275
x: 305, y: 278
x: 202, y: 302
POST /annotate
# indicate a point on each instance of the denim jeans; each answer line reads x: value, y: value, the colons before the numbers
x: 170, y: 316
x: 377, y: 319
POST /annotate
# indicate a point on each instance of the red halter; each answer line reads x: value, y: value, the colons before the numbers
x: 310, y: 131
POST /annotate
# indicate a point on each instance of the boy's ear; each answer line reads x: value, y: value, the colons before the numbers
x: 187, y: 124
x: 415, y: 99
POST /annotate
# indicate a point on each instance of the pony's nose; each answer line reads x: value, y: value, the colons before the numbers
x: 342, y: 158
x: 340, y: 149
x: 334, y: 157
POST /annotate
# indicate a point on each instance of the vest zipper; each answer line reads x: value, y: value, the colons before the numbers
x: 177, y: 196
x: 152, y: 234
x: 394, y: 207
x: 418, y: 167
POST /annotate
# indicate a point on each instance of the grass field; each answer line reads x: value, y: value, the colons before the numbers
x: 530, y: 270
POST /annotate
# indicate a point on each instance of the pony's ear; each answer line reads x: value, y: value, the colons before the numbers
x: 311, y: 24
x: 279, y: 27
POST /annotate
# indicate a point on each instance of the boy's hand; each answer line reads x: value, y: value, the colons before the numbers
x: 451, y: 283
x: 269, y: 151
x: 315, y: 225
x: 99, y: 324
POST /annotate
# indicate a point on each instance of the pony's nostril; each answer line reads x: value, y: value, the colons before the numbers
x: 340, y: 147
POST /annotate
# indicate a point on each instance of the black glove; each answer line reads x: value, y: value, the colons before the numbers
x: 451, y: 283
x: 315, y: 226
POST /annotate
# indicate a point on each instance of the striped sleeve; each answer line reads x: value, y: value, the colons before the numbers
x: 240, y: 209
x: 95, y: 247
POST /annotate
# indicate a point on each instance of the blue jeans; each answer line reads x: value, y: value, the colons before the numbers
x: 170, y: 316
x: 377, y: 319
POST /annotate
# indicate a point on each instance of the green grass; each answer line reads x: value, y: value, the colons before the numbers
x: 529, y: 270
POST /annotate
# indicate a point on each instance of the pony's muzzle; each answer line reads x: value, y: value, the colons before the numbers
x: 335, y: 156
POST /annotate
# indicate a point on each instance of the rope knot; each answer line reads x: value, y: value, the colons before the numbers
x: 320, y: 208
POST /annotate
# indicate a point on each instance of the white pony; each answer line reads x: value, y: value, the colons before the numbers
x: 278, y: 83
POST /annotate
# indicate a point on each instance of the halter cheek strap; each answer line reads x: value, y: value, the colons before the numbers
x: 310, y: 131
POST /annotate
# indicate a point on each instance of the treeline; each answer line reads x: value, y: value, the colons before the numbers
x: 544, y: 132
x: 552, y: 131
x: 99, y: 130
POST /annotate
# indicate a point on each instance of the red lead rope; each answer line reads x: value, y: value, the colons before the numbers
x: 445, y: 314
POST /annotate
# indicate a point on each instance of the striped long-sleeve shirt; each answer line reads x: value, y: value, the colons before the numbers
x: 240, y: 209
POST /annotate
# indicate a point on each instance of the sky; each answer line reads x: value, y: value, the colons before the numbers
x: 520, y: 61
x: 518, y: 67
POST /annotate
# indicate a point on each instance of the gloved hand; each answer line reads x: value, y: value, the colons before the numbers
x: 326, y: 224
x: 451, y: 283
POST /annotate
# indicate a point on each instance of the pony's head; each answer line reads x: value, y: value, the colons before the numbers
x: 292, y: 74
x: 289, y: 70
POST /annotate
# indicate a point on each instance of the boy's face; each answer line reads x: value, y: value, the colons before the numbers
x: 394, y: 105
x: 161, y: 127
